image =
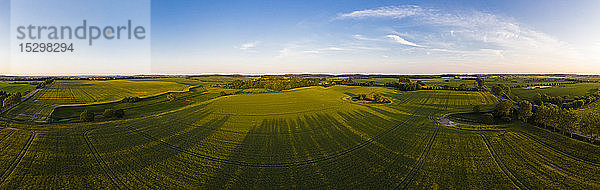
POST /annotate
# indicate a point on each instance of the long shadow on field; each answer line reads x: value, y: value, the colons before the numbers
x: 281, y: 160
x: 272, y: 149
x: 131, y: 164
x: 163, y: 151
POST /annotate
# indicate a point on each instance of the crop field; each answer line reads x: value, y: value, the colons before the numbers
x: 6, y: 86
x: 578, y: 89
x: 310, y: 137
x: 78, y: 92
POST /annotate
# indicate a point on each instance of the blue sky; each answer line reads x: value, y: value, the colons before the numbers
x: 394, y: 37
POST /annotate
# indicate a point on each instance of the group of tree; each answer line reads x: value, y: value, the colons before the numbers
x: 548, y: 115
x: 273, y: 83
x: 523, y: 84
x: 131, y: 99
x: 371, y: 97
x: 45, y: 83
x: 113, y: 113
x: 9, y: 99
x: 503, y: 110
x: 225, y: 93
x: 405, y: 84
x: 501, y: 90
x: 88, y: 116
x: 565, y: 120
x: 574, y: 102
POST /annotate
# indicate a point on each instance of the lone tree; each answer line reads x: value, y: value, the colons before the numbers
x: 463, y: 87
x: 525, y: 110
x: 171, y: 97
x: 120, y: 113
x: 477, y: 108
x: 86, y: 116
x: 488, y: 118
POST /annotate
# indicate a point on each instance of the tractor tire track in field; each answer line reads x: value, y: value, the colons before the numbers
x: 285, y: 164
x: 7, y: 136
x: 419, y: 164
x: 529, y: 136
x: 421, y: 161
x: 109, y: 173
x: 17, y: 160
x: 515, y: 181
x: 26, y: 169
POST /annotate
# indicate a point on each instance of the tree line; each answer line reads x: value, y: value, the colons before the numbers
x: 44, y: 83
x: 272, y: 83
x: 9, y: 99
x: 544, y: 113
x: 405, y: 84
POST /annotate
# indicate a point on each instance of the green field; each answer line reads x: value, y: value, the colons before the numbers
x: 311, y: 137
x: 572, y: 90
x: 6, y: 86
x: 78, y: 92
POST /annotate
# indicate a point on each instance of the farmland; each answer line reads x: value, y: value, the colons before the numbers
x: 579, y: 89
x: 76, y: 92
x: 14, y: 87
x: 308, y: 137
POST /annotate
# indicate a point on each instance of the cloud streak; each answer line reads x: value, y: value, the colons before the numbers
x: 247, y: 46
x: 382, y: 12
x: 466, y: 33
x: 402, y: 41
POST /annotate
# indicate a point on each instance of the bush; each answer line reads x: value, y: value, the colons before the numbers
x: 86, y: 116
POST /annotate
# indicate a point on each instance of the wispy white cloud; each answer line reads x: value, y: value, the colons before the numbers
x: 382, y: 12
x: 247, y: 46
x: 361, y: 37
x: 332, y: 49
x: 465, y: 33
x: 401, y: 40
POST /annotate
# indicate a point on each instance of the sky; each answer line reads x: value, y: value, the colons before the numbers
x: 371, y: 37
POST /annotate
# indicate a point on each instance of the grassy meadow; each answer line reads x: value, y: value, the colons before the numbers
x: 578, y: 89
x: 308, y: 137
x: 22, y: 87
